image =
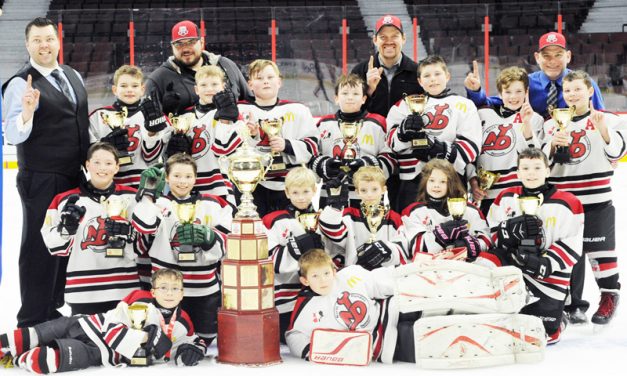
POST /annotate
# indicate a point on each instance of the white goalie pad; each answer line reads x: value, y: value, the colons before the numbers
x: 340, y: 347
x: 469, y: 341
x: 438, y: 287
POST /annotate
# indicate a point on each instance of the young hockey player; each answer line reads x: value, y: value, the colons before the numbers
x: 508, y: 129
x: 90, y: 225
x: 367, y: 148
x: 544, y: 245
x: 428, y: 224
x: 371, y: 236
x: 185, y: 231
x: 136, y: 134
x: 110, y: 339
x: 593, y: 140
x: 449, y: 123
x: 288, y: 239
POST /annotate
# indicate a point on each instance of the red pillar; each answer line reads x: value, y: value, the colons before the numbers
x: 486, y: 53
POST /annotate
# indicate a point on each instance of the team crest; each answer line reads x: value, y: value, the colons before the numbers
x: 95, y: 236
x: 351, y: 311
x: 500, y: 139
x: 551, y: 38
x: 200, y: 141
x: 579, y: 146
x: 183, y: 31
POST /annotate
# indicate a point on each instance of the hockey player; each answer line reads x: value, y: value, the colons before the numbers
x: 450, y: 122
x: 507, y: 130
x: 214, y: 105
x: 371, y: 236
x: 368, y: 147
x: 545, y: 245
x: 295, y: 144
x: 428, y: 224
x: 345, y: 301
x: 90, y: 225
x: 167, y: 231
x: 109, y: 339
x: 594, y: 140
x: 288, y: 239
x: 139, y: 136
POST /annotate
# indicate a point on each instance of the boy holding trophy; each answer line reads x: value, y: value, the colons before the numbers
x: 144, y: 326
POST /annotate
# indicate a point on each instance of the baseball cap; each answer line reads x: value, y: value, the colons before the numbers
x: 184, y: 30
x: 552, y: 39
x: 388, y: 20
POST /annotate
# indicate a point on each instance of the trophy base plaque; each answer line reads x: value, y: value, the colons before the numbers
x: 125, y: 160
x: 249, y: 338
x: 186, y: 257
x: 139, y: 362
x: 114, y: 253
x: 420, y: 143
x: 277, y: 167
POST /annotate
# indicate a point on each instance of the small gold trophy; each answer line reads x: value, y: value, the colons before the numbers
x: 272, y: 127
x: 115, y: 207
x: 186, y: 214
x: 350, y: 131
x: 416, y: 104
x: 114, y: 120
x: 562, y: 118
x: 182, y: 123
x: 309, y: 221
x: 486, y: 179
x: 530, y: 204
x: 374, y: 214
x: 456, y: 207
x: 138, y: 313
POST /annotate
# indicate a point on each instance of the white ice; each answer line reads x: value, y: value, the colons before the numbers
x: 580, y: 352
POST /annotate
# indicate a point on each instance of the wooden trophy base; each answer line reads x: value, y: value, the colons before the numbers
x: 249, y: 338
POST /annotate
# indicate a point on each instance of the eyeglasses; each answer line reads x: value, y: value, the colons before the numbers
x: 185, y: 43
x: 164, y: 289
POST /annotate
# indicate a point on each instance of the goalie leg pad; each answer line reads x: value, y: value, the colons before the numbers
x: 340, y: 347
x: 469, y: 341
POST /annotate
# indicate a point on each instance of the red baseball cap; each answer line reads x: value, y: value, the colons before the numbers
x: 185, y: 30
x: 552, y: 39
x: 388, y: 20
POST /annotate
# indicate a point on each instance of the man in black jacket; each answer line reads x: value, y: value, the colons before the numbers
x: 173, y: 82
x: 390, y: 73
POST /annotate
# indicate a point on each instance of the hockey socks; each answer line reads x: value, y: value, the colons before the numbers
x: 40, y: 360
x: 21, y: 340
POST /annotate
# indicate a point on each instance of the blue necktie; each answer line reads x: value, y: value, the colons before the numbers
x: 551, y: 99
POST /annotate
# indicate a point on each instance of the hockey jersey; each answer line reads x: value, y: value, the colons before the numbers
x: 144, y: 149
x: 452, y: 119
x: 118, y: 341
x: 589, y: 172
x: 562, y: 221
x: 350, y: 306
x: 420, y: 220
x: 158, y: 222
x: 91, y: 277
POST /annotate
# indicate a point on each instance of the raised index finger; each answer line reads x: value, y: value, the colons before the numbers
x: 371, y: 62
x: 29, y: 82
x: 475, y: 67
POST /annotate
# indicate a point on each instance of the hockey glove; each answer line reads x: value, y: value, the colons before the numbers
x: 118, y: 138
x: 513, y: 230
x: 179, y: 143
x: 442, y: 150
x: 120, y: 228
x: 226, y: 106
x: 300, y: 244
x: 196, y: 234
x: 337, y: 192
x: 154, y: 119
x: 158, y: 343
x: 446, y: 233
x: 531, y: 263
x: 411, y: 127
x: 152, y: 182
x: 371, y: 256
x: 188, y: 354
x: 171, y: 100
x: 71, y: 215
x: 327, y: 168
x: 473, y: 247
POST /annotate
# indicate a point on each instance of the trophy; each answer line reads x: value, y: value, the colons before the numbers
x: 186, y: 214
x: 182, y: 123
x: 309, y: 221
x: 416, y: 104
x: 115, y: 207
x: 486, y: 179
x: 114, y: 120
x: 272, y: 128
x: 350, y: 131
x: 138, y: 313
x: 562, y: 117
x: 457, y: 208
x: 529, y: 205
x: 374, y: 214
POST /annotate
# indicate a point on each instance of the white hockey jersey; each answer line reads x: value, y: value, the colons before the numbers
x: 562, y: 221
x: 589, y: 172
x: 91, y: 277
x: 452, y: 119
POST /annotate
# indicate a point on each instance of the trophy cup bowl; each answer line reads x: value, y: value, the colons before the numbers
x: 309, y: 221
x: 115, y: 119
x: 456, y: 207
x: 374, y: 214
x: 529, y: 204
x: 487, y: 179
x: 138, y: 313
x: 416, y: 104
x: 186, y: 213
x: 272, y: 127
x: 115, y: 207
x: 562, y: 116
x: 183, y: 123
x: 349, y: 131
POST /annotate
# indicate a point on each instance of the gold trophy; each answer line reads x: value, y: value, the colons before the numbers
x: 562, y: 118
x: 138, y: 313
x: 115, y: 207
x: 350, y: 131
x: 416, y: 104
x: 457, y: 208
x: 272, y: 128
x: 530, y: 205
x: 114, y: 120
x: 182, y: 123
x: 374, y: 214
x: 186, y: 214
x: 486, y: 180
x: 309, y: 221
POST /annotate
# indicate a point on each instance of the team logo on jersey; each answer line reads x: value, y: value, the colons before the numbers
x: 500, y: 139
x: 95, y: 237
x: 200, y: 141
x: 439, y: 119
x: 579, y: 146
x: 338, y: 149
x: 351, y: 310
x: 133, y: 137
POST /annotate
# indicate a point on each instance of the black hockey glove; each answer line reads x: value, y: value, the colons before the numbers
x: 158, y: 343
x: 371, y: 255
x: 118, y: 138
x: 327, y: 168
x: 152, y: 182
x: 446, y: 233
x: 71, y: 215
x: 171, y: 100
x: 513, y: 230
x: 337, y: 192
x: 226, y: 106
x: 188, y: 354
x: 442, y: 150
x: 154, y: 119
x: 179, y: 143
x: 411, y: 127
x: 473, y: 248
x: 531, y: 263
x: 118, y: 228
x: 358, y: 163
x: 300, y: 244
